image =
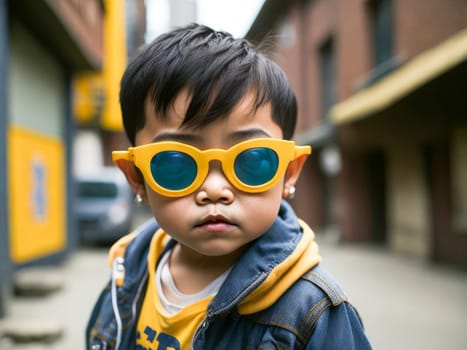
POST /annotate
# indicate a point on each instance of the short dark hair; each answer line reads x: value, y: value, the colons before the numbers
x: 217, y: 70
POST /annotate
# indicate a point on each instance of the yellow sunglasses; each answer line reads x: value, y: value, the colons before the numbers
x: 175, y: 169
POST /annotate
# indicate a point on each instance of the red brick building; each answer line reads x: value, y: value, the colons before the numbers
x: 380, y: 90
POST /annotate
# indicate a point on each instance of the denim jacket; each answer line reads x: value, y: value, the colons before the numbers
x: 313, y: 313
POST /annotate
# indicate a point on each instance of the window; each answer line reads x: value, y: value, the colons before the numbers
x: 381, y: 13
x: 328, y: 78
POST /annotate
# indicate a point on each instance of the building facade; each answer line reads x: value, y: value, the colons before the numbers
x: 379, y: 86
x: 43, y: 43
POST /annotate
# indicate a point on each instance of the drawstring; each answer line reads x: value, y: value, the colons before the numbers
x: 118, y: 271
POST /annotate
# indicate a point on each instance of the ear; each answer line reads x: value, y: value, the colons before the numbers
x: 293, y: 173
x: 134, y: 177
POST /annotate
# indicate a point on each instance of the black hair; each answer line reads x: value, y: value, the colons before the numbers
x: 217, y: 70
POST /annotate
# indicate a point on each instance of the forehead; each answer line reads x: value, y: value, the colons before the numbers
x: 242, y: 118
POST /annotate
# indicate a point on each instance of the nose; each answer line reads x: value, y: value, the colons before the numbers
x: 215, y: 188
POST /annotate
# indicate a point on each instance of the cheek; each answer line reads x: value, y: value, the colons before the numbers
x: 262, y: 209
x: 167, y: 211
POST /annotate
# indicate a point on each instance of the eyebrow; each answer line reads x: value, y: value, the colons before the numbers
x: 234, y: 137
x: 242, y: 135
x: 175, y: 136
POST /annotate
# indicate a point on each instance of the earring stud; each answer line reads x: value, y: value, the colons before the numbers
x: 291, y: 192
x: 138, y: 199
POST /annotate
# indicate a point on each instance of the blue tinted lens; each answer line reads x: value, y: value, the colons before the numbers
x: 173, y: 170
x: 256, y: 166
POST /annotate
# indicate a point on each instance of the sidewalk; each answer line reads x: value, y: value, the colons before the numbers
x: 65, y: 311
x: 405, y: 304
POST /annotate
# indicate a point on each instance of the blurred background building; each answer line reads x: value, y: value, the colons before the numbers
x: 60, y: 67
x: 380, y: 86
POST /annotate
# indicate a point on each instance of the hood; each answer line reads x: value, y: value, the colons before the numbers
x: 282, y: 276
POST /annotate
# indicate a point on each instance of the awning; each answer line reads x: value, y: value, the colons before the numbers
x: 411, y: 76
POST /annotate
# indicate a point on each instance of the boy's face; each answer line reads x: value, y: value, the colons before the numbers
x: 216, y: 219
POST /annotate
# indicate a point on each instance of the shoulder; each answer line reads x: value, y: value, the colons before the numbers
x: 314, y: 286
x: 134, y: 249
x: 324, y: 285
x: 303, y: 305
x: 310, y: 295
x: 327, y: 319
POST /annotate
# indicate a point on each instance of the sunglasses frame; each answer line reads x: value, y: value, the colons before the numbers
x: 141, y: 156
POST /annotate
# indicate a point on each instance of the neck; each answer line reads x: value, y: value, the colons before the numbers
x: 193, y: 271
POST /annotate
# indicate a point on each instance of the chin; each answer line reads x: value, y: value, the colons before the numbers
x: 220, y: 250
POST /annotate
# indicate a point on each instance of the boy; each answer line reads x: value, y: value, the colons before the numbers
x: 228, y: 265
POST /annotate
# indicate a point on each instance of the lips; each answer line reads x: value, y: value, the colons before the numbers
x: 215, y: 223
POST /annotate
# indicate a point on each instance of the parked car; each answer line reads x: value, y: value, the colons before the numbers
x: 105, y: 208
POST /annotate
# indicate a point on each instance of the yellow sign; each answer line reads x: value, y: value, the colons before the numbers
x: 88, y: 97
x: 114, y: 62
x: 36, y: 183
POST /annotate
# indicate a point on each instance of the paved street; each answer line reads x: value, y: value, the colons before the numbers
x: 405, y: 304
x: 83, y: 276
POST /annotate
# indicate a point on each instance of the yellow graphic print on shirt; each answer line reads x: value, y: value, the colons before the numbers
x: 155, y: 328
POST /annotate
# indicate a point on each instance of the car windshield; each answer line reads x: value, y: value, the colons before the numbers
x: 95, y: 189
